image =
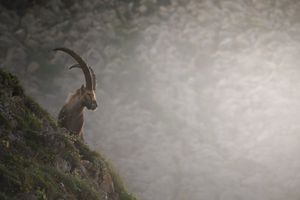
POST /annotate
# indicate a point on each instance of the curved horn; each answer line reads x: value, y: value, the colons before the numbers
x: 82, y: 64
x: 92, y: 74
x: 93, y: 78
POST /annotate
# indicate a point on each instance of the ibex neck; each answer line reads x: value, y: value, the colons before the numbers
x: 77, y: 105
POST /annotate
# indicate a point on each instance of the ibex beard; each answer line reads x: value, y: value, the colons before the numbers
x: 71, y: 115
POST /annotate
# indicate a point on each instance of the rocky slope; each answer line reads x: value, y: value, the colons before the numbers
x: 40, y: 160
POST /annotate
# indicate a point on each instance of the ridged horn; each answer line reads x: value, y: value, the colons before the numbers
x: 93, y: 78
x: 81, y: 64
x: 92, y: 74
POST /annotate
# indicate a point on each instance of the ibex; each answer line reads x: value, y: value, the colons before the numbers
x: 71, y: 114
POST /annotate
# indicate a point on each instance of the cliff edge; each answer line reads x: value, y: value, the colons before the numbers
x: 41, y: 161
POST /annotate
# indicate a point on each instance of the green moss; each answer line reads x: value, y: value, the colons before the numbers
x: 39, y: 111
x: 33, y: 140
x: 40, y: 194
x: 8, y: 79
x: 82, y: 188
x: 23, y: 176
x: 70, y: 154
x: 5, y: 122
x: 34, y: 178
x: 95, y: 157
x: 119, y: 184
x: 34, y: 114
x: 30, y: 146
x: 85, y: 152
x: 75, y: 185
x: 4, y: 197
x: 11, y: 81
x: 9, y: 181
x: 32, y: 122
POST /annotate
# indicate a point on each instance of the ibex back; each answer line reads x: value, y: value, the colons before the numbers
x: 71, y: 114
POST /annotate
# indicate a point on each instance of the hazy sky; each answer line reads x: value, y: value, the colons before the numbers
x: 201, y: 102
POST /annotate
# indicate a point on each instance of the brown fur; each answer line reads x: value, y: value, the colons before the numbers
x: 71, y: 114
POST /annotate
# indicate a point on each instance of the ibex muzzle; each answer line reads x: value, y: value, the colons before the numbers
x: 71, y: 114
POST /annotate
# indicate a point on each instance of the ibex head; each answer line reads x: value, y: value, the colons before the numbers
x: 87, y: 92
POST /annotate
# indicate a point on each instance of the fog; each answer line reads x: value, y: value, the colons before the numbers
x: 198, y: 101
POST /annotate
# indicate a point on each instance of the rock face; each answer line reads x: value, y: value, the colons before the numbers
x: 39, y: 160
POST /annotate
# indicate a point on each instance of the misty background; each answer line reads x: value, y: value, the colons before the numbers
x: 198, y: 99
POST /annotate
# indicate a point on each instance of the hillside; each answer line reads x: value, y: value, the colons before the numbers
x: 40, y: 160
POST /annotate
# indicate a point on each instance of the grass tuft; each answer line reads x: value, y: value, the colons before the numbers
x: 41, y: 161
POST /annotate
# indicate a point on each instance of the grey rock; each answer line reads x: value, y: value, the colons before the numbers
x: 26, y: 196
x: 63, y: 165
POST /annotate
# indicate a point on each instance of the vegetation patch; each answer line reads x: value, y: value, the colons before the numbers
x: 41, y: 161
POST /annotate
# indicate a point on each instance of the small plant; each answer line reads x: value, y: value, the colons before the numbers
x: 31, y: 146
x: 40, y: 194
